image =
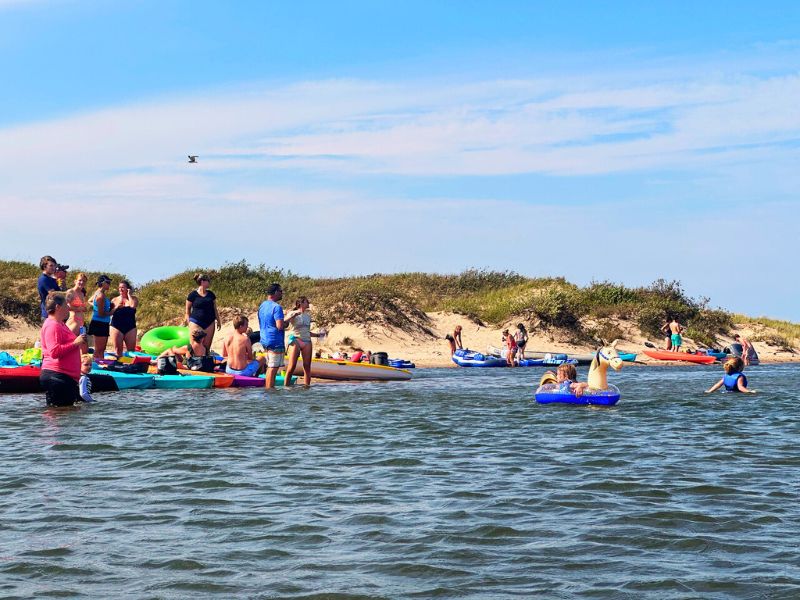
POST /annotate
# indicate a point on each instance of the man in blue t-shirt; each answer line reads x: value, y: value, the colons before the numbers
x: 270, y: 322
x: 47, y: 282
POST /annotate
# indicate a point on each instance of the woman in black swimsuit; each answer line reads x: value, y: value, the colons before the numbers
x: 201, y: 309
x: 123, y: 320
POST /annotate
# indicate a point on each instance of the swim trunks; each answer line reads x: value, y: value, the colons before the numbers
x: 676, y: 339
x: 251, y: 370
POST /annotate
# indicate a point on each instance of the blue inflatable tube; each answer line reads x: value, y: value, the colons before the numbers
x: 550, y: 393
x: 468, y: 358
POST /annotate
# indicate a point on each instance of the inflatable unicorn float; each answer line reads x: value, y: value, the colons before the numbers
x: 599, y: 391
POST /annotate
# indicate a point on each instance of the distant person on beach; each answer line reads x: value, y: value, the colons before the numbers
x: 61, y: 354
x: 271, y: 326
x: 123, y: 321
x: 455, y: 340
x: 201, y: 309
x: 676, y: 329
x: 101, y: 316
x: 667, y: 335
x: 358, y: 355
x: 511, y: 348
x: 299, y: 321
x: 196, y: 348
x: 747, y: 348
x: 47, y: 282
x: 734, y: 380
x: 521, y: 338
x: 238, y: 349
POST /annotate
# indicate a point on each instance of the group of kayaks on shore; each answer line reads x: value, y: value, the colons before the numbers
x: 495, y: 357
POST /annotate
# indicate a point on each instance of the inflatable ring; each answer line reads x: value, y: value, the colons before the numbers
x: 550, y: 393
x: 159, y: 339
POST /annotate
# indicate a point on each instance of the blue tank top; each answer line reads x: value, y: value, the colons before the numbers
x: 730, y: 381
x: 97, y: 317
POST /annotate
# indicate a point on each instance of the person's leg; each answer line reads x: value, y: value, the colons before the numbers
x: 115, y: 338
x: 270, y: 378
x: 209, y: 335
x: 294, y: 353
x: 130, y: 340
x: 262, y: 365
x: 307, y: 354
x: 100, y: 343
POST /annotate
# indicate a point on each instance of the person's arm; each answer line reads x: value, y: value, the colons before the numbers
x: 742, y: 387
x: 248, y: 349
x: 134, y: 301
x: 715, y: 387
x: 225, y: 347
x: 279, y: 321
x: 188, y: 312
x: 86, y: 395
x: 216, y: 315
x: 578, y: 388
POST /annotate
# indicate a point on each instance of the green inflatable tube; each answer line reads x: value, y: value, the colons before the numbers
x: 159, y: 339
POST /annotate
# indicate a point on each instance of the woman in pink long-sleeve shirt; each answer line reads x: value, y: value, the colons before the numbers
x: 61, y: 354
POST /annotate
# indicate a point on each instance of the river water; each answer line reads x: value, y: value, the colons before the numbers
x: 453, y: 485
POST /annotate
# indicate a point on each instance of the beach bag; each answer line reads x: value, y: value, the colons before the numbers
x: 200, y: 363
x: 30, y: 356
x: 167, y: 365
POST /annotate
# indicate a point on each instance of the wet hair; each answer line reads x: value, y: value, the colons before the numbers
x: 46, y: 259
x: 53, y: 301
x: 568, y: 371
x: 273, y: 289
x: 521, y: 327
x: 733, y: 365
x: 198, y: 277
x: 299, y: 301
x: 239, y: 321
x: 198, y: 334
x: 127, y: 284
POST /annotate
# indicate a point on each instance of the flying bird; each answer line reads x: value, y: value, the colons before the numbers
x: 192, y: 158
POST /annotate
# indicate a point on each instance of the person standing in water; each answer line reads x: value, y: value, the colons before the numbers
x: 271, y: 326
x: 201, y: 309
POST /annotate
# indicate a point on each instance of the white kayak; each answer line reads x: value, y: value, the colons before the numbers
x: 344, y: 370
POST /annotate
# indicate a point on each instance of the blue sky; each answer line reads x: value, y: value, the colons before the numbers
x: 621, y: 141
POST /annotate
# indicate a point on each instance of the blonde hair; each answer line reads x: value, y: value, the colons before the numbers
x: 568, y: 371
x: 733, y: 365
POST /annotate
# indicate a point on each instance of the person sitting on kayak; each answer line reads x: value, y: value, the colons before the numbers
x: 566, y: 378
x: 195, y: 348
x: 734, y: 380
x: 238, y: 349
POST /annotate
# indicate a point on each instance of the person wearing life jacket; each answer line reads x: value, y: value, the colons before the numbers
x: 734, y: 380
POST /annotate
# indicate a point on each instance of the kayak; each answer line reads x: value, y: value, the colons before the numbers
x: 19, y: 380
x: 221, y: 380
x: 469, y: 358
x: 183, y: 382
x: 245, y: 381
x: 627, y: 356
x: 121, y: 381
x: 701, y: 359
x: 343, y: 370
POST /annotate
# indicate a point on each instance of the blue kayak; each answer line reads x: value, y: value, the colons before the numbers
x: 469, y: 358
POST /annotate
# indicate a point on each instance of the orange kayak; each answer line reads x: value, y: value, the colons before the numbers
x: 221, y: 380
x: 702, y: 359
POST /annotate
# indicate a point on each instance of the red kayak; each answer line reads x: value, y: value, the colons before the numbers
x: 19, y: 380
x: 702, y: 359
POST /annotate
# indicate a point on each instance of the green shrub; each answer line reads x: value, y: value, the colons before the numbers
x: 557, y: 307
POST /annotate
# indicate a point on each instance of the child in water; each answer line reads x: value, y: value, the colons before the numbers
x: 85, y: 384
x: 734, y: 380
x: 565, y: 377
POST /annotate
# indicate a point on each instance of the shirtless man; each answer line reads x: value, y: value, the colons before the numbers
x: 676, y: 329
x: 238, y: 349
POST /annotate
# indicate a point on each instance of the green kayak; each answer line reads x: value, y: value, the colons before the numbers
x: 183, y: 382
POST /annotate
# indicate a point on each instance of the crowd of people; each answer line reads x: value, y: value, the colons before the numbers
x: 64, y: 335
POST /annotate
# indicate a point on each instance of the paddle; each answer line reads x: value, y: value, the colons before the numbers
x: 651, y: 345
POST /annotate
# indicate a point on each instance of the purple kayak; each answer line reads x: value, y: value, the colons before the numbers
x: 245, y: 381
